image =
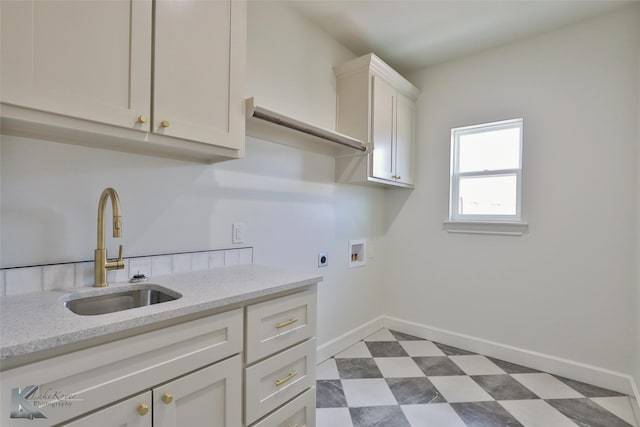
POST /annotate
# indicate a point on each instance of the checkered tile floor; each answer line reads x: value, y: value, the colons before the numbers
x: 396, y: 380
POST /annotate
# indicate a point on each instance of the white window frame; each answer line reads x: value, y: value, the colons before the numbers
x: 455, y: 175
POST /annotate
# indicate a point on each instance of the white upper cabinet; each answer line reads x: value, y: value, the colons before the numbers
x: 377, y: 105
x: 84, y: 59
x: 161, y: 78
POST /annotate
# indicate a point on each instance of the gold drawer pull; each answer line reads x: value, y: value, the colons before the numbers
x: 167, y: 398
x: 143, y: 119
x: 165, y: 123
x: 287, y: 378
x: 287, y: 323
x: 143, y: 409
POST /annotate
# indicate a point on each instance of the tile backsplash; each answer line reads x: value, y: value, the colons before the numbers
x: 21, y: 280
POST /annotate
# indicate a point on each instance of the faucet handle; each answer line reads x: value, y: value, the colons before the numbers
x: 115, y: 264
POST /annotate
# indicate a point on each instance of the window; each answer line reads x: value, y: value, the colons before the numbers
x: 486, y: 172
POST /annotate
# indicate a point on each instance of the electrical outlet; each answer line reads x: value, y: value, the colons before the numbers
x: 323, y: 259
x: 238, y: 234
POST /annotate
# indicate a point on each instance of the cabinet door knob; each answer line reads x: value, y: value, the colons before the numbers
x: 165, y: 123
x: 143, y: 409
x: 167, y: 398
x: 143, y: 119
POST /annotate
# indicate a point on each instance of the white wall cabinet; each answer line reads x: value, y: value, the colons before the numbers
x: 82, y: 72
x: 377, y: 105
x: 199, y: 71
x: 90, y: 60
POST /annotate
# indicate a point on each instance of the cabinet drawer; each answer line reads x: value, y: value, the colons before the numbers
x: 300, y: 412
x: 280, y: 323
x: 276, y: 380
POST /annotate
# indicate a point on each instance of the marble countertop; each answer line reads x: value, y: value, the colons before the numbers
x: 40, y: 321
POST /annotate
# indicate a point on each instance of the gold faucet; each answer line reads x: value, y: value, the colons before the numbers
x: 102, y: 264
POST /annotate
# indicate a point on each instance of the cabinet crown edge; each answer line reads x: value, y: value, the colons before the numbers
x: 371, y: 62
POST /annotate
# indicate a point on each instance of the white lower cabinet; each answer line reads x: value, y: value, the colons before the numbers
x: 188, y: 374
x: 195, y: 361
x: 211, y: 394
x: 281, y: 361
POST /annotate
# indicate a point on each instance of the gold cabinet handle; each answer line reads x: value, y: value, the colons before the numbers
x: 143, y: 409
x: 286, y: 323
x: 143, y: 119
x: 167, y: 398
x: 287, y: 378
x: 165, y: 123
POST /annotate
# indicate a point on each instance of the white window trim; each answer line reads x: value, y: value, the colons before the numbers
x: 512, y: 225
x: 487, y: 227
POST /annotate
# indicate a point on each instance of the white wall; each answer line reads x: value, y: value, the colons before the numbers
x: 287, y: 198
x: 566, y: 288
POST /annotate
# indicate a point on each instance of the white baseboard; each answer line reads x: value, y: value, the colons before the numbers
x: 348, y: 339
x: 635, y: 399
x: 555, y: 365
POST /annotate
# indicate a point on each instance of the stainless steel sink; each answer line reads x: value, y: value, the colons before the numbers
x: 140, y: 296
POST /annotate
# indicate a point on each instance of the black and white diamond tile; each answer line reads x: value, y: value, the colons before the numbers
x: 391, y: 379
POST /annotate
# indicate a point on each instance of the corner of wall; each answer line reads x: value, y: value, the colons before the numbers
x: 636, y: 373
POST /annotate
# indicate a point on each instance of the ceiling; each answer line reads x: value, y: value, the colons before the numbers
x: 412, y: 34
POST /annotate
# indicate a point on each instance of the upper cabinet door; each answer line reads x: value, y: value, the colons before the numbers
x: 382, y: 128
x: 199, y: 67
x: 405, y: 117
x: 84, y: 59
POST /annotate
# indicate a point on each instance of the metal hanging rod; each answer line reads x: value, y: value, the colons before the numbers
x: 297, y: 125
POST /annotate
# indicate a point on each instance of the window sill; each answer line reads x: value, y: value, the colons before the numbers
x: 487, y: 227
